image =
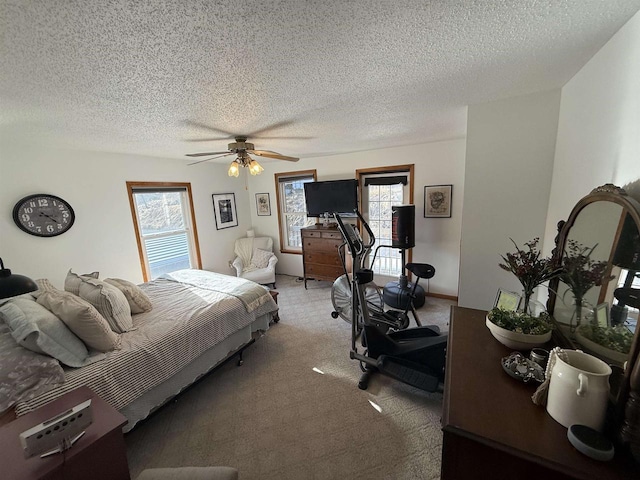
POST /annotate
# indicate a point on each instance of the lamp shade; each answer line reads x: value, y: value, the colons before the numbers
x: 12, y: 285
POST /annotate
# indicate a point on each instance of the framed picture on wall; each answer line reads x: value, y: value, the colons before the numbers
x: 224, y: 209
x: 263, y: 206
x: 437, y: 201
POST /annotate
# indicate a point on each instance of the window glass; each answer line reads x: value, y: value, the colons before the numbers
x: 292, y: 209
x: 167, y: 238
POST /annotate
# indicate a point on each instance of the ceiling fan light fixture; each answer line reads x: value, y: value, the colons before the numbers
x: 233, y: 171
x: 255, y: 168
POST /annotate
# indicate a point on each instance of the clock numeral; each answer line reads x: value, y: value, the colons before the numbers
x: 59, y: 226
x: 61, y: 207
x: 43, y: 202
x: 39, y: 229
x: 65, y: 214
x: 55, y: 204
x: 50, y: 228
x: 31, y: 224
x: 28, y: 210
x: 64, y: 220
x: 25, y: 217
x: 32, y: 204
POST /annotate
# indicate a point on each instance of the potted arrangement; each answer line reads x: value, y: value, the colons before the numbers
x: 580, y: 273
x: 529, y: 268
x: 519, y: 330
x: 611, y: 343
x: 525, y: 328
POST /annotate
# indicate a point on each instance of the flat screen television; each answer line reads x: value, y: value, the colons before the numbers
x: 339, y: 196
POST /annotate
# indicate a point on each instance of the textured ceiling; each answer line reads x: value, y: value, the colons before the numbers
x: 310, y: 77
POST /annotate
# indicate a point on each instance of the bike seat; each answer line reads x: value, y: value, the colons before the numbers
x: 421, y: 270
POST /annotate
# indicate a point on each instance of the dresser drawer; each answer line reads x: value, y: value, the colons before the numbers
x: 315, y: 270
x: 310, y: 233
x: 321, y: 245
x: 337, y: 235
x: 322, y: 258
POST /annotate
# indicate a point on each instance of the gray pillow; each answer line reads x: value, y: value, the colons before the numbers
x: 24, y: 374
x: 107, y: 299
x: 37, y: 329
x: 138, y: 300
x: 82, y: 319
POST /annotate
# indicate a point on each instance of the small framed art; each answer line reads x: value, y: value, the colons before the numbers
x: 601, y: 313
x: 507, y: 300
x: 263, y: 206
x: 437, y: 201
x: 224, y: 209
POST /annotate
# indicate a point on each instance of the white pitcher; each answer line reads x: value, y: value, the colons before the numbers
x: 579, y: 390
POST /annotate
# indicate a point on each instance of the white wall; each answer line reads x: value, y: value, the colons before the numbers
x: 437, y: 239
x: 102, y: 237
x: 599, y: 126
x: 510, y: 151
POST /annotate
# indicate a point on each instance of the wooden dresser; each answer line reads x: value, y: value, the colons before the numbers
x: 320, y: 256
x: 491, y: 427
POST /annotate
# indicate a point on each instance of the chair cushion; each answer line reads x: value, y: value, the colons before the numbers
x: 260, y: 258
x: 107, y: 299
x: 189, y: 473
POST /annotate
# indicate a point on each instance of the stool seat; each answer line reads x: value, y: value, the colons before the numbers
x: 421, y: 270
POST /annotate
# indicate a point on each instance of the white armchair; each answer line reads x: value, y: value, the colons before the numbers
x: 255, y: 260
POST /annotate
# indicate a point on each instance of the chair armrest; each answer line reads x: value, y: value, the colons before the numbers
x: 237, y: 264
x: 272, y: 261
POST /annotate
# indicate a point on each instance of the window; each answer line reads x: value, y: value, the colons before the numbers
x: 165, y: 227
x: 382, y: 188
x: 292, y: 209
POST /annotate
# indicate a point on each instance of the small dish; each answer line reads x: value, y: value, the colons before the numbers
x: 521, y: 368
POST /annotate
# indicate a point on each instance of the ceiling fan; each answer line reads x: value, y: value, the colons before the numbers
x: 242, y: 149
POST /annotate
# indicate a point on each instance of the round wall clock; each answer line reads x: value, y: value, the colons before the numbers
x: 43, y: 215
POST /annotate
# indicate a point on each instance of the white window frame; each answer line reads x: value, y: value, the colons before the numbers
x: 281, y: 180
x: 391, y: 171
x: 188, y: 216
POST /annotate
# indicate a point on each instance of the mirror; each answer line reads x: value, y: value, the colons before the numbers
x: 605, y: 225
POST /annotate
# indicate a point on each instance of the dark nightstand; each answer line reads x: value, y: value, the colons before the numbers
x: 99, y: 454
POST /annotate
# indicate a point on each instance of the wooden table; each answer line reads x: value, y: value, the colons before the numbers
x: 491, y: 427
x: 100, y: 454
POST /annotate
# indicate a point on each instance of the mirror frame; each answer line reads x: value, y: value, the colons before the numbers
x: 604, y: 193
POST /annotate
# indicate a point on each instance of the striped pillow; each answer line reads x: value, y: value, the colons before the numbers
x: 138, y: 300
x: 107, y: 299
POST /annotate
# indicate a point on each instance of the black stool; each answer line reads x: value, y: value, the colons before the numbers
x: 405, y: 295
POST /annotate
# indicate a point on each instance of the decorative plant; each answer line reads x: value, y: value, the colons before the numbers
x: 529, y: 268
x: 616, y: 338
x: 580, y: 273
x: 521, y: 322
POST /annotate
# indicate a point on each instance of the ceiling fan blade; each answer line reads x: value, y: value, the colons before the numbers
x: 266, y: 153
x: 207, y: 127
x: 207, y: 154
x: 213, y: 139
x: 275, y: 126
x: 212, y: 158
x: 286, y: 138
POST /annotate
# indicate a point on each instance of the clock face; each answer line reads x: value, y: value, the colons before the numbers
x: 43, y: 215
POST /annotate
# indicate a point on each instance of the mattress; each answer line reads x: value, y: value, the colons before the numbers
x: 193, y: 312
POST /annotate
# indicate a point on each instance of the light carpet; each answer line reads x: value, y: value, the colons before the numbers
x: 294, y: 411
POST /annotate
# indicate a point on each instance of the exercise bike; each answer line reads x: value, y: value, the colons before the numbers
x: 415, y: 356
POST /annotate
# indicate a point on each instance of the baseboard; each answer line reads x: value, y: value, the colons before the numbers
x: 440, y: 295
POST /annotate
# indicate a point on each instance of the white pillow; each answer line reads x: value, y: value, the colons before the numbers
x: 108, y: 300
x: 37, y: 329
x: 260, y: 258
x: 138, y: 300
x: 82, y: 319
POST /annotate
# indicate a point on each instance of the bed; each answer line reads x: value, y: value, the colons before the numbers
x: 198, y: 320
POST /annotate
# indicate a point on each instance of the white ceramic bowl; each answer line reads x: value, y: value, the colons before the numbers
x: 600, y: 351
x: 515, y: 340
